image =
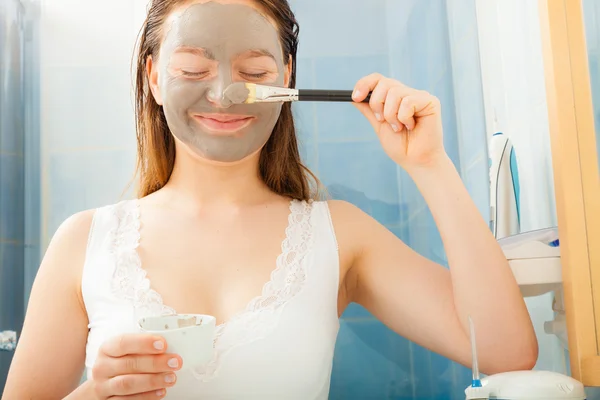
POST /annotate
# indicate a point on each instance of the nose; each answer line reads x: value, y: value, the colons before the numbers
x: 216, y: 91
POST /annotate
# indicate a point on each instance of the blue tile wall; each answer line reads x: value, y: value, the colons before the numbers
x: 12, y: 174
x: 383, y: 358
x: 12, y: 223
x: 32, y: 144
x: 341, y: 121
x: 359, y: 172
x: 341, y: 28
x: 104, y: 168
x: 91, y: 129
x: 11, y: 296
x: 409, y: 40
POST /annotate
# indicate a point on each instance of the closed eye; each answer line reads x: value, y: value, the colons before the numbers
x: 195, y: 74
x: 254, y: 76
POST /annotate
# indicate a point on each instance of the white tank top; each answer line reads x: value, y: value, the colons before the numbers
x: 279, y: 347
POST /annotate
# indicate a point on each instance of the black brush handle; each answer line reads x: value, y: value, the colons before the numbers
x: 327, y: 95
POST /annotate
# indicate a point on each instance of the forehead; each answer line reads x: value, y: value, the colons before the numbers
x: 215, y: 24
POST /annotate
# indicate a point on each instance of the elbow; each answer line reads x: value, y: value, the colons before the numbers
x: 518, y: 357
x: 532, y: 358
x: 522, y: 361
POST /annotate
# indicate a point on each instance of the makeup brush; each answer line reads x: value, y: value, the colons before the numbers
x: 248, y: 93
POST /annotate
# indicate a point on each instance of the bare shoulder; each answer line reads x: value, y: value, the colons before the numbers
x: 67, y: 249
x: 76, y: 225
x: 348, y: 219
x: 74, y: 231
x: 62, y: 264
x: 343, y: 209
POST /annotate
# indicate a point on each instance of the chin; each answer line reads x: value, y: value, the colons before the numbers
x: 221, y: 160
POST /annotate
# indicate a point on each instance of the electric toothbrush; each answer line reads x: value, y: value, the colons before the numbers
x: 476, y: 391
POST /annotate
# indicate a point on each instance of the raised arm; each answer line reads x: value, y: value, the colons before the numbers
x: 416, y: 297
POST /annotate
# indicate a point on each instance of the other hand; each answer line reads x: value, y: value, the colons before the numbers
x: 134, y: 367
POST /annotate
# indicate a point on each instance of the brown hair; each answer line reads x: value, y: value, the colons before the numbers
x: 280, y: 164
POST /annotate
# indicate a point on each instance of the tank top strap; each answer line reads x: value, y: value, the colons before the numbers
x: 107, y: 222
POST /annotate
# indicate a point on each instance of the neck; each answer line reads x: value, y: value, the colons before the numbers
x: 197, y: 181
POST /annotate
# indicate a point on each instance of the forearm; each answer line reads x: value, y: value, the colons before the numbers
x: 482, y: 282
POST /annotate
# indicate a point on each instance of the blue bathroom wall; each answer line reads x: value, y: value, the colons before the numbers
x: 32, y: 143
x: 12, y: 173
x: 430, y: 45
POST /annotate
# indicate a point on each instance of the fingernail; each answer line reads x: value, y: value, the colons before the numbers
x: 160, y: 392
x: 170, y: 378
x: 395, y: 128
x: 173, y: 363
x: 356, y: 94
x: 159, y: 345
x: 378, y: 116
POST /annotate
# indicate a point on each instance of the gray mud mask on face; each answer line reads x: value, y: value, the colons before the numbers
x: 224, y: 31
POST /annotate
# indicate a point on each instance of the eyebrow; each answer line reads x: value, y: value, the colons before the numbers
x: 202, y: 52
x: 255, y: 53
x: 197, y: 51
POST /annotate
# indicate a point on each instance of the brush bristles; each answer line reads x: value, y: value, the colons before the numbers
x: 251, y: 93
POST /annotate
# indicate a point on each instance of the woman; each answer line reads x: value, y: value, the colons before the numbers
x: 225, y: 206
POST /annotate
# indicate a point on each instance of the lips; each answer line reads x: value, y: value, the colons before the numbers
x: 224, y: 122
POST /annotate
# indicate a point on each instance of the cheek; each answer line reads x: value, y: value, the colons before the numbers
x: 269, y: 114
x: 180, y: 95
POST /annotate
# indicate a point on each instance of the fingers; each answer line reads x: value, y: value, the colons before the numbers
x: 155, y: 394
x: 378, y: 86
x: 391, y: 107
x: 109, y: 367
x: 392, y: 103
x: 386, y: 98
x: 133, y: 344
x: 364, y: 86
x: 136, y: 384
x: 135, y: 367
x: 365, y: 109
x: 416, y: 105
x: 378, y: 98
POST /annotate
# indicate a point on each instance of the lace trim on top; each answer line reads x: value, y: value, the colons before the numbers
x: 129, y: 281
x: 256, y: 321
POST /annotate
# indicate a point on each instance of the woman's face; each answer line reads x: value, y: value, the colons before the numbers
x: 206, y: 47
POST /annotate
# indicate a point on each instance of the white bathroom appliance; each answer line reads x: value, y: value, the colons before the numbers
x: 527, y: 385
x: 534, y: 258
x: 504, y: 187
